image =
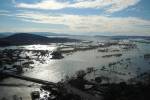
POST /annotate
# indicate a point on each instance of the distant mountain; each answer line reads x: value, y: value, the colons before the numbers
x: 125, y: 37
x: 131, y: 37
x: 5, y: 34
x: 2, y: 35
x: 45, y: 33
x: 27, y: 39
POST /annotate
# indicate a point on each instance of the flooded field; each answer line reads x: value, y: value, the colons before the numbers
x: 119, y: 62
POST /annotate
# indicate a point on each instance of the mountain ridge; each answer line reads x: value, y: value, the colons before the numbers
x: 27, y: 39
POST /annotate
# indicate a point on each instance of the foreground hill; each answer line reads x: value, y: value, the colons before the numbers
x: 25, y: 38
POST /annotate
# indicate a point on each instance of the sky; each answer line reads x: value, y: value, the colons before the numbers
x: 86, y: 17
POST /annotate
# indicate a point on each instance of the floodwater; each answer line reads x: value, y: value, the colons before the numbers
x: 55, y: 70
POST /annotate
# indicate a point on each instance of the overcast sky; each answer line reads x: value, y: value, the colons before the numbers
x: 89, y: 17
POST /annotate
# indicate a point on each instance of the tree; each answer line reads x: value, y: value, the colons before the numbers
x: 80, y: 74
x: 90, y: 69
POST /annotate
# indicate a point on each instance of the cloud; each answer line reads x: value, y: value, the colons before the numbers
x: 122, y: 4
x: 5, y: 13
x: 91, y: 23
x: 106, y: 5
x: 45, y: 4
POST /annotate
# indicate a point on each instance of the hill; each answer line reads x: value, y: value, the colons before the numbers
x: 46, y: 34
x: 5, y: 34
x: 28, y: 39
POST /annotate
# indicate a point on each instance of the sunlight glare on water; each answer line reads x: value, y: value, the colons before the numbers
x: 40, y: 47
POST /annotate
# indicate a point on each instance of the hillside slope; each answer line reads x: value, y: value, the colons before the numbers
x: 25, y: 39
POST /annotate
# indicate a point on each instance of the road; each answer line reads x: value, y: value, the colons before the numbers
x: 68, y: 87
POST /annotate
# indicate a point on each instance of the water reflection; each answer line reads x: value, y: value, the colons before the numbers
x: 55, y: 70
x: 50, y: 47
